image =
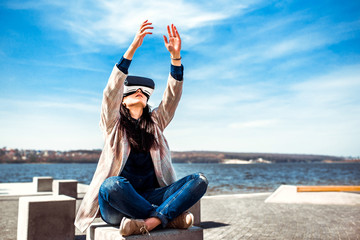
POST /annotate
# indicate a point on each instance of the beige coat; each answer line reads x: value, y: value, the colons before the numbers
x: 117, y: 149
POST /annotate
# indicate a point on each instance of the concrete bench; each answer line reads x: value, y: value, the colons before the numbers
x: 46, y: 217
x: 328, y: 188
x: 65, y: 187
x: 103, y: 231
x: 43, y: 184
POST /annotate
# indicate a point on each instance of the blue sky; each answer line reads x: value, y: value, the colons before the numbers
x: 260, y: 76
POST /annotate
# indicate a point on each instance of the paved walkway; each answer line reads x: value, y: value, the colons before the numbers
x: 247, y: 216
x: 251, y: 218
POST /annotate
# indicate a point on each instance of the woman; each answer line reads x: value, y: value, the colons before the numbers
x: 134, y: 185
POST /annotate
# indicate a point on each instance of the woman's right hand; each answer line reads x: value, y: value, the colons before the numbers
x: 138, y: 39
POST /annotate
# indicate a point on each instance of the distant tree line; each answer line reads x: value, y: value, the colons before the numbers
x: 218, y: 157
x: 92, y: 156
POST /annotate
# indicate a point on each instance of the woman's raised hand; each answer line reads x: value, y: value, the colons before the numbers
x: 138, y: 39
x: 174, y: 43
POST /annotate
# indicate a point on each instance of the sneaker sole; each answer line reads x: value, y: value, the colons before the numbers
x: 192, y: 220
x: 122, y: 225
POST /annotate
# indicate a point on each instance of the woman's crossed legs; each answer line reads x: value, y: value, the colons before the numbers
x: 118, y: 199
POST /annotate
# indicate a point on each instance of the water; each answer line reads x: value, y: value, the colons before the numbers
x: 223, y: 178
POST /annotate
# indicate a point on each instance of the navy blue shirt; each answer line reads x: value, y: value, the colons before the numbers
x: 139, y: 171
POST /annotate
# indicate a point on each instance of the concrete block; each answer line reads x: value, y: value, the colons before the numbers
x: 103, y: 231
x: 46, y: 217
x: 43, y: 184
x: 289, y: 194
x: 65, y: 187
x: 196, y: 211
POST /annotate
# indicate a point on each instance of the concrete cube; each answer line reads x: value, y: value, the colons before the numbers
x: 43, y: 184
x: 65, y: 187
x: 46, y: 217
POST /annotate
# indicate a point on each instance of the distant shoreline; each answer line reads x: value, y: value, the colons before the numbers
x: 92, y: 156
x: 187, y: 162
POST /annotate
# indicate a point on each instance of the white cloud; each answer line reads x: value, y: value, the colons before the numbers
x: 337, y: 88
x: 282, y: 38
x: 111, y: 22
x: 254, y: 124
x: 75, y: 66
x: 53, y: 104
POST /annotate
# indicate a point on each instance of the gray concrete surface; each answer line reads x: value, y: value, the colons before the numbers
x: 8, y: 190
x: 16, y: 190
x: 237, y: 217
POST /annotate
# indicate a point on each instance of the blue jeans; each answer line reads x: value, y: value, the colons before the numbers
x: 118, y: 199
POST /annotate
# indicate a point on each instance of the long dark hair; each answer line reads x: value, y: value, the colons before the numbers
x: 140, y: 133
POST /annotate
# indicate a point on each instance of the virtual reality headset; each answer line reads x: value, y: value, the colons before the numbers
x: 133, y: 83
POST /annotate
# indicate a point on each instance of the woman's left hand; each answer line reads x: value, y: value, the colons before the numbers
x: 174, y: 43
